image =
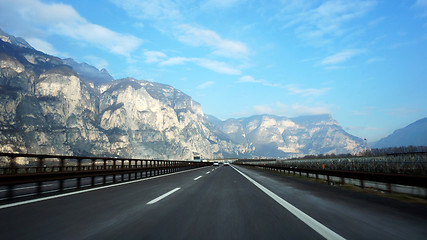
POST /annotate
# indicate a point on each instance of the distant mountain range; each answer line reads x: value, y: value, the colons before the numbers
x: 414, y: 134
x: 274, y: 136
x: 58, y: 106
x: 89, y: 73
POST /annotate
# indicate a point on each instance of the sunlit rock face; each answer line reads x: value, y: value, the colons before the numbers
x: 273, y: 136
x: 55, y: 106
x: 151, y: 119
x: 48, y: 107
x: 45, y: 108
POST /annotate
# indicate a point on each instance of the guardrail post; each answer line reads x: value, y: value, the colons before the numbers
x: 122, y: 167
x: 12, y: 165
x: 40, y: 167
x: 61, y: 164
x: 79, y: 164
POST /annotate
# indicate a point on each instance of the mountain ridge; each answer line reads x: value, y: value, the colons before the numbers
x: 52, y: 105
x: 275, y: 136
x: 414, y: 134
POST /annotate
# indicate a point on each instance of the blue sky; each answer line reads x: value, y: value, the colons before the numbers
x: 364, y: 62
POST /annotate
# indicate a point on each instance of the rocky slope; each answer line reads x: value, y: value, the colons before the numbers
x: 89, y: 73
x: 273, y: 136
x: 58, y: 106
x: 414, y: 134
x: 47, y: 107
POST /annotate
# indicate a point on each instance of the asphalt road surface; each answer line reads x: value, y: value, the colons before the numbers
x: 225, y: 202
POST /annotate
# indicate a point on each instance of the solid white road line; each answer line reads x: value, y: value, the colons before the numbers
x: 311, y: 222
x: 163, y: 196
x: 89, y: 190
x: 197, y: 178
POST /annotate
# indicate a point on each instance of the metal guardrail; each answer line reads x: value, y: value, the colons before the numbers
x: 18, y: 169
x: 402, y: 179
x: 405, y: 163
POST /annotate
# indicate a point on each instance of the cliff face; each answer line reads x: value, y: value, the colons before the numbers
x: 273, y: 136
x: 55, y: 106
x: 150, y: 119
x: 48, y: 108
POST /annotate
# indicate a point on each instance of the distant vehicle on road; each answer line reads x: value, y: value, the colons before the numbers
x: 216, y: 163
x: 226, y: 163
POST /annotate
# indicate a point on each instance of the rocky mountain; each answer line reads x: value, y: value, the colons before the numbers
x: 89, y: 73
x: 14, y: 40
x: 274, y: 136
x: 47, y: 107
x: 58, y: 106
x: 414, y: 134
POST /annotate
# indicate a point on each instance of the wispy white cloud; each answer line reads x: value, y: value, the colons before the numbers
x: 300, y: 109
x: 100, y: 37
x: 421, y: 3
x: 154, y: 56
x: 150, y: 9
x: 293, y: 110
x: 43, y: 19
x: 168, y: 13
x: 318, y: 24
x: 196, y: 36
x: 205, y: 85
x: 174, y: 61
x: 43, y: 46
x: 214, y: 4
x: 402, y: 44
x: 374, y: 60
x: 341, y: 56
x: 250, y: 79
x: 293, y: 89
x: 308, y: 92
x: 216, y: 66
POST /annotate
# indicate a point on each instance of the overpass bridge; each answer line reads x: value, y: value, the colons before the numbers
x: 160, y: 200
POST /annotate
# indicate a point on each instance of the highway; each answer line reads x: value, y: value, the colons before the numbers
x: 225, y: 202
